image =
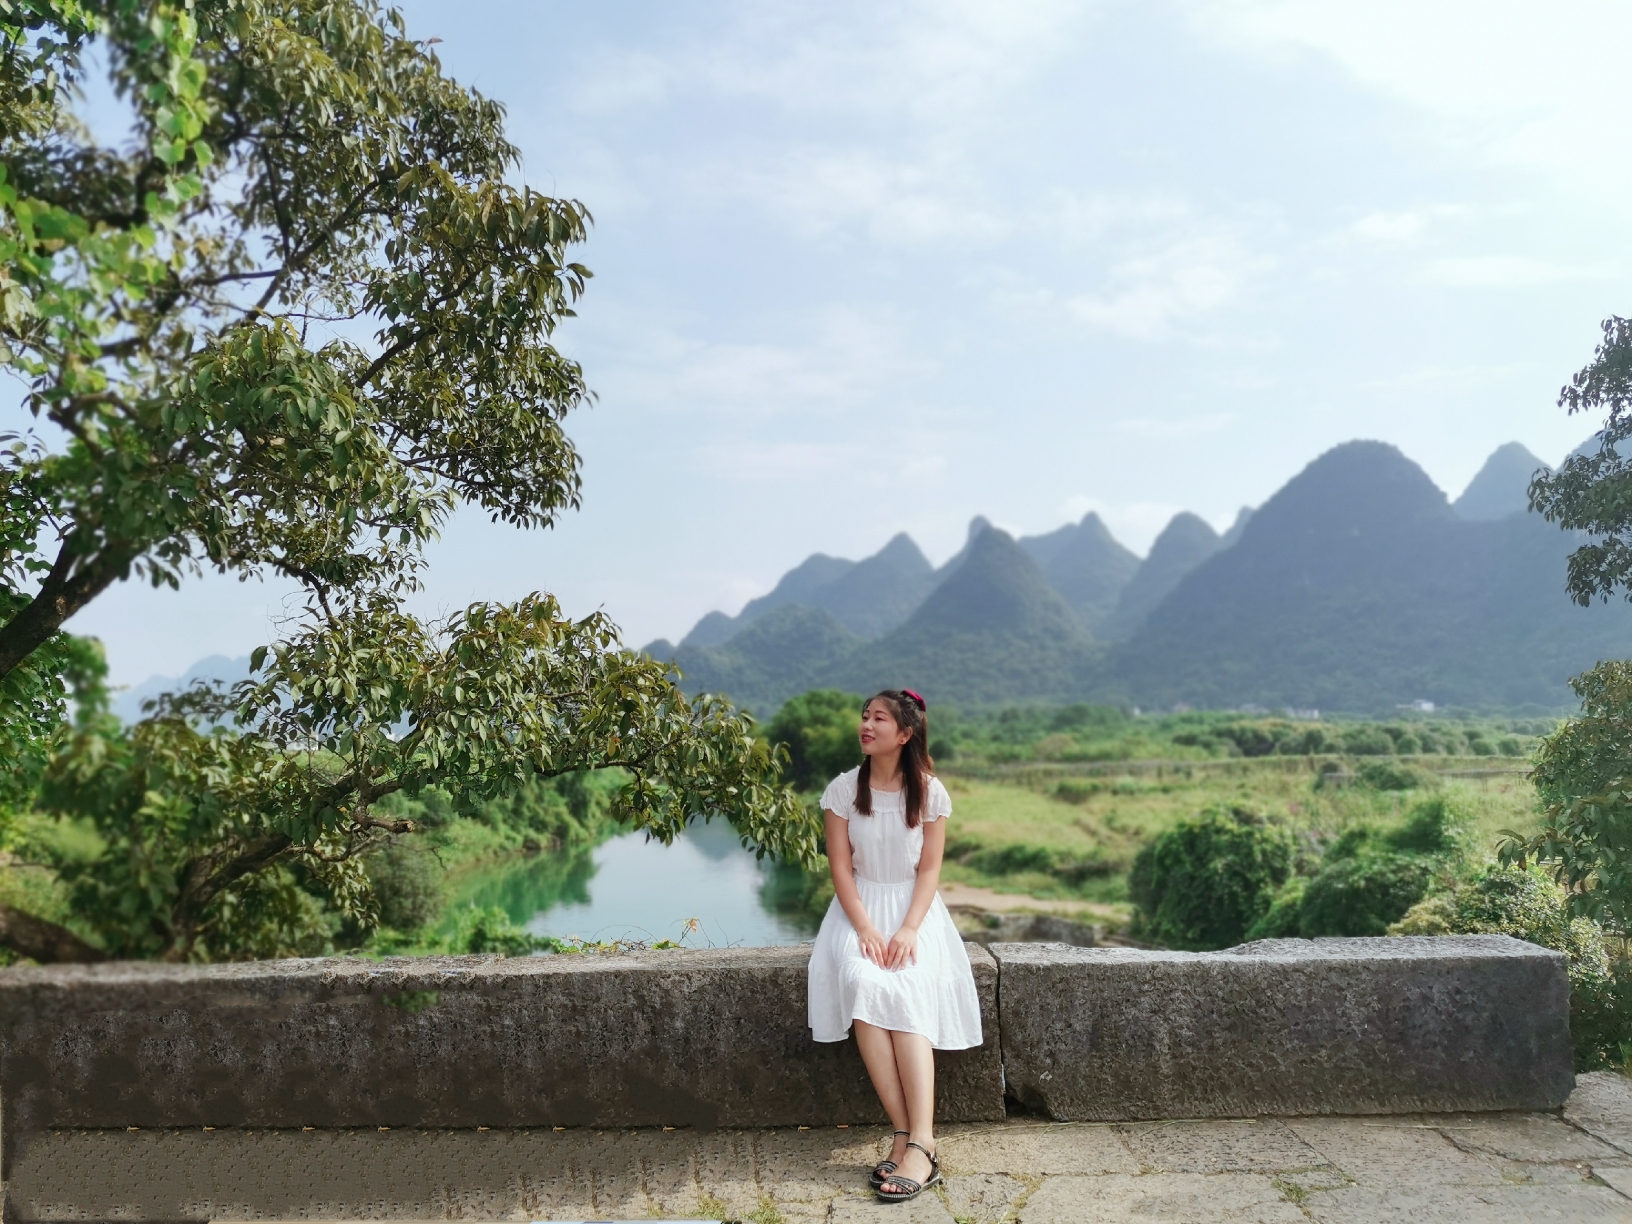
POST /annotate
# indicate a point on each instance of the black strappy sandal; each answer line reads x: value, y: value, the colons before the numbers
x: 883, y: 1169
x: 914, y: 1189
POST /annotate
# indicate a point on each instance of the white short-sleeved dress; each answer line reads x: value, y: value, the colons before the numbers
x: 934, y: 996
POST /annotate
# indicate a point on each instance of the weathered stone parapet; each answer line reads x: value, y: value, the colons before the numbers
x: 677, y: 1038
x: 1285, y: 1026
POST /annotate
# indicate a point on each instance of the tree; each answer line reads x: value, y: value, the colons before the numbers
x: 293, y: 327
x: 1205, y: 881
x: 819, y: 730
x: 1584, y: 769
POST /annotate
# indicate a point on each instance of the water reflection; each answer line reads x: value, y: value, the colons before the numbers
x: 629, y: 888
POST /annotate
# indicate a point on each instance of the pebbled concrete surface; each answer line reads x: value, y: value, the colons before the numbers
x: 1570, y: 1166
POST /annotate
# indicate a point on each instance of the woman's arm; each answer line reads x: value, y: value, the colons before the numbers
x: 904, y: 944
x: 844, y: 887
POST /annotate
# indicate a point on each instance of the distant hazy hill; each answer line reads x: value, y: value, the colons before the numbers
x: 868, y: 597
x: 1357, y: 587
x: 993, y: 630
x: 128, y: 704
x: 1086, y: 566
x: 800, y: 585
x: 780, y: 655
x: 1502, y: 486
x: 1185, y: 543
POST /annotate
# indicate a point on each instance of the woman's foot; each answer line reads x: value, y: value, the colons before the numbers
x: 889, y: 1164
x: 914, y: 1165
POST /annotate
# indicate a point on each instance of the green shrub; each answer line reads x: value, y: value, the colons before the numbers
x: 1076, y: 790
x: 478, y: 930
x: 408, y: 884
x: 1309, y: 741
x: 1438, y: 825
x: 1011, y: 859
x: 1362, y: 894
x: 819, y: 729
x: 1283, y: 918
x: 1393, y: 776
x: 1202, y: 883
x: 1368, y: 739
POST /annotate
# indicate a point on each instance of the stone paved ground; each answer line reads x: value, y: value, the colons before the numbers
x: 1498, y: 1167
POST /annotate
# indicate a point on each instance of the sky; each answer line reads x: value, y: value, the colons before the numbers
x: 866, y: 268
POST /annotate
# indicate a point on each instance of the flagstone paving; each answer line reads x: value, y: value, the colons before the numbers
x: 1521, y: 1167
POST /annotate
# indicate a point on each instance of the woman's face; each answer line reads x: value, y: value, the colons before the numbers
x: 879, y: 730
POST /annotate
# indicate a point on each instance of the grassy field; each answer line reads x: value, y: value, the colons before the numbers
x: 1058, y: 834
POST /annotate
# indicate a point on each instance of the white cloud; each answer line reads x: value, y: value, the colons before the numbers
x: 1504, y: 272
x: 1390, y: 227
x: 1178, y: 430
x: 1537, y: 86
x: 846, y: 357
x: 1448, y: 377
x: 1148, y: 297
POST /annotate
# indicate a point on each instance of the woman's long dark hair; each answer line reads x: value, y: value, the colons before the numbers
x: 916, y: 766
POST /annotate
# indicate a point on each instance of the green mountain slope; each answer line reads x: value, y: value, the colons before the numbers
x: 780, y: 655
x: 1501, y: 487
x: 993, y: 631
x: 797, y: 586
x: 876, y: 595
x: 1356, y: 587
x: 1085, y: 564
x: 1185, y: 543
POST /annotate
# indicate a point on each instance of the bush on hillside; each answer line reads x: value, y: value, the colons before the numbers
x: 1202, y: 883
x: 819, y: 730
x: 1393, y: 776
x: 1528, y: 904
x: 1370, y: 877
x: 1362, y: 895
x: 1438, y: 825
x: 408, y: 884
x: 1367, y: 739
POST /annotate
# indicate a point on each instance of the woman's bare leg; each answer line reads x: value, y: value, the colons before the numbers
x: 878, y: 1052
x: 915, y: 1066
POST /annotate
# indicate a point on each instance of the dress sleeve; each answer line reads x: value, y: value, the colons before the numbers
x: 840, y: 795
x: 937, y: 804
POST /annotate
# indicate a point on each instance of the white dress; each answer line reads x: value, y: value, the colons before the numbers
x: 934, y: 996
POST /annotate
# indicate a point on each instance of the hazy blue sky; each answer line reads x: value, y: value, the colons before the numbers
x: 870, y: 267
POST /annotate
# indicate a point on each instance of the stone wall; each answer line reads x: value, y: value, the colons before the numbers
x: 1286, y: 1026
x: 718, y: 1038
x: 704, y: 1039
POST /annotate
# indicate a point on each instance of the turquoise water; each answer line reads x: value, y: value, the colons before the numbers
x: 705, y: 889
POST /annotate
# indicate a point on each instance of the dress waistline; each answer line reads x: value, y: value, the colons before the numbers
x: 861, y: 879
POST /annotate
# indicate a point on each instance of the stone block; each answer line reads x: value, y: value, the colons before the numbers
x: 706, y: 1039
x: 1286, y: 1026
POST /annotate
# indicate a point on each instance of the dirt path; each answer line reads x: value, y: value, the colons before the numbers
x: 954, y: 893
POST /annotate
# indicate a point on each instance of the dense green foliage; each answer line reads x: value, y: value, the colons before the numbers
x: 1371, y: 875
x: 1583, y: 775
x: 297, y: 162
x: 1203, y: 883
x: 819, y: 730
x: 1589, y: 492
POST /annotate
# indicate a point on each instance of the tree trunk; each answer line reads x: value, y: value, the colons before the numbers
x: 44, y: 941
x: 60, y: 596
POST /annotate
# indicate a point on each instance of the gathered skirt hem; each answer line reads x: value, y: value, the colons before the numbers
x: 934, y: 997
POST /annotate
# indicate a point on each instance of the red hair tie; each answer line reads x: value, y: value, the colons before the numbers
x: 917, y: 700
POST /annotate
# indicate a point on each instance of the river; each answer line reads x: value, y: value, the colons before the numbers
x: 632, y: 888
